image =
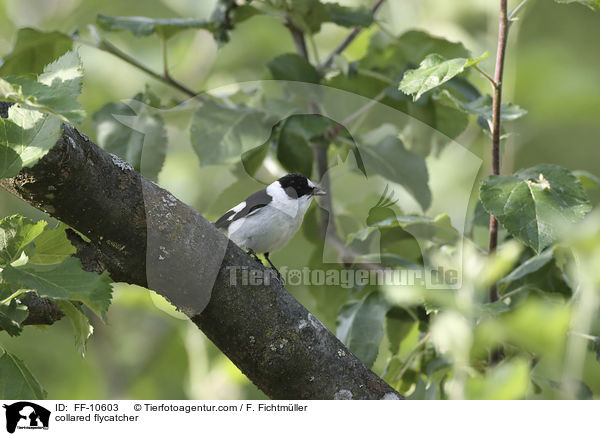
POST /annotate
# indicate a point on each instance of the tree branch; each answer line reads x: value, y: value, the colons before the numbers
x: 347, y: 40
x: 496, y: 126
x: 496, y: 130
x: 142, y: 234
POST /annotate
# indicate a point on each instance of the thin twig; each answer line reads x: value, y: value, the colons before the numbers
x: 347, y: 40
x: 108, y: 47
x: 165, y: 56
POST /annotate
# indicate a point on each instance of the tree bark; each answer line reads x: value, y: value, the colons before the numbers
x: 142, y: 234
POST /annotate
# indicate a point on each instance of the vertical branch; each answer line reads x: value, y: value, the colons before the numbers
x: 319, y: 150
x: 496, y: 125
x: 495, y: 354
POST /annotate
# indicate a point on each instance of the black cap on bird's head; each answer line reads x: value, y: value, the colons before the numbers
x: 297, y: 185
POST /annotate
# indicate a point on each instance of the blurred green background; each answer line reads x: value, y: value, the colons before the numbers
x: 147, y: 350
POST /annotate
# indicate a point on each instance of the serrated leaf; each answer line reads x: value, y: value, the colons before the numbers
x: 55, y: 92
x: 293, y: 67
x: 25, y: 137
x: 80, y: 323
x: 52, y: 246
x: 12, y: 312
x: 221, y: 134
x: 135, y: 132
x: 482, y: 107
x: 360, y: 326
x: 347, y: 16
x: 592, y: 4
x: 64, y: 78
x: 64, y: 281
x: 535, y: 203
x: 15, y: 233
x: 16, y: 381
x: 34, y: 49
x: 433, y: 71
x: 390, y: 159
x: 144, y: 26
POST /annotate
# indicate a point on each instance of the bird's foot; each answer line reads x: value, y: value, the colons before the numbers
x: 254, y: 255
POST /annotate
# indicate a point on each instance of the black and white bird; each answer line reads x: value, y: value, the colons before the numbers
x: 268, y: 219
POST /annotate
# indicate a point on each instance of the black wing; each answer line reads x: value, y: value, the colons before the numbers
x: 254, y: 202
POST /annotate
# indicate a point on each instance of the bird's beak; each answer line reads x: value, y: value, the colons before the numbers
x: 319, y: 191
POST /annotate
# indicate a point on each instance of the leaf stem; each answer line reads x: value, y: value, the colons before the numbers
x: 513, y: 13
x: 486, y: 75
x: 412, y: 354
x: 347, y: 40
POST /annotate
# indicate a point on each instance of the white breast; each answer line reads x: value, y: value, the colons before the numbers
x: 273, y: 226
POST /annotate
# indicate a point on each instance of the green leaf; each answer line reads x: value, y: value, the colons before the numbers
x: 360, y: 326
x: 135, y: 132
x: 64, y: 78
x: 535, y: 203
x: 144, y: 26
x: 33, y: 49
x: 294, y: 149
x: 221, y: 134
x: 588, y: 180
x: 55, y: 92
x: 390, y: 159
x: 16, y: 381
x: 244, y: 12
x: 12, y: 312
x: 592, y: 4
x: 306, y: 15
x: 392, y: 55
x: 482, y: 107
x: 291, y: 66
x: 52, y: 246
x: 438, y: 229
x: 542, y: 272
x: 399, y: 323
x: 348, y: 16
x: 531, y: 265
x: 25, y: 137
x: 15, y: 233
x: 433, y: 71
x: 80, y: 323
x: 507, y: 381
x: 253, y: 159
x: 64, y: 281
